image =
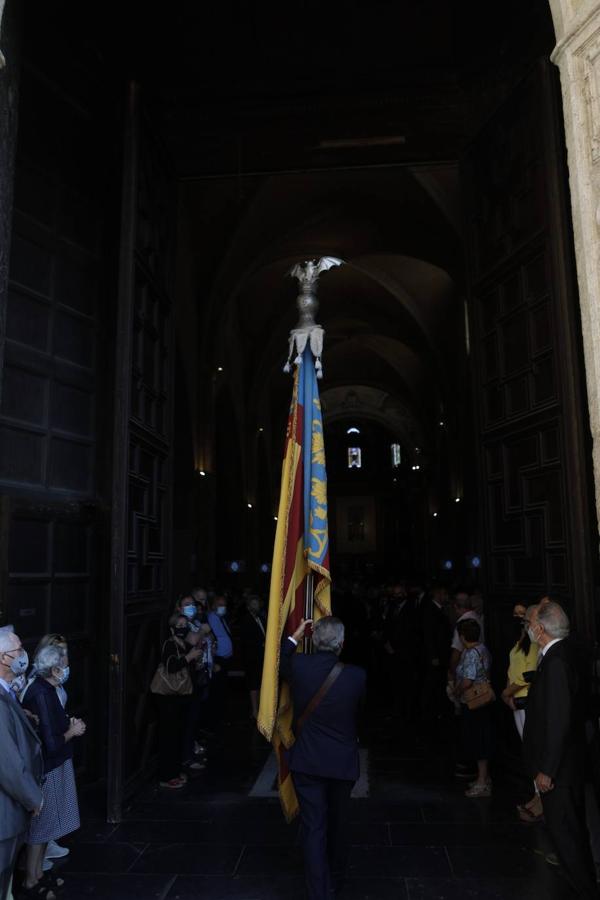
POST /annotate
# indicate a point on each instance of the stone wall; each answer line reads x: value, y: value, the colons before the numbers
x: 577, y: 55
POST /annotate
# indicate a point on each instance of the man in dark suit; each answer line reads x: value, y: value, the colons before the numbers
x: 324, y: 759
x: 403, y: 648
x: 554, y: 745
x: 437, y: 635
x: 20, y: 760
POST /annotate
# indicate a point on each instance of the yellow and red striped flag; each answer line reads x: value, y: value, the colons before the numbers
x: 301, y: 547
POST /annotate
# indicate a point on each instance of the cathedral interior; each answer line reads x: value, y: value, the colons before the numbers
x: 171, y: 165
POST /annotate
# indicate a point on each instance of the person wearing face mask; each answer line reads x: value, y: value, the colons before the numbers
x: 554, y: 744
x: 199, y: 635
x: 54, y: 850
x: 217, y: 619
x: 49, y: 640
x: 186, y: 606
x: 177, y: 655
x: 60, y: 811
x: 475, y: 725
x: 252, y: 638
x: 523, y: 659
x: 20, y: 760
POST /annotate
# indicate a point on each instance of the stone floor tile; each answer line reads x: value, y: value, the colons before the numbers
x: 279, y: 861
x: 189, y: 859
x: 102, y: 857
x: 265, y: 887
x: 397, y: 862
x: 126, y: 886
x: 484, y: 889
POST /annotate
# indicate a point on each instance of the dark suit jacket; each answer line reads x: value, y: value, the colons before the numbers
x: 20, y: 768
x: 42, y: 700
x: 437, y: 633
x: 554, y: 735
x: 328, y: 743
x: 403, y: 632
x: 252, y: 639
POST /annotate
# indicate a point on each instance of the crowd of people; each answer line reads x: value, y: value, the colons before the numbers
x: 38, y: 795
x: 425, y: 653
x: 427, y: 656
x: 191, y: 683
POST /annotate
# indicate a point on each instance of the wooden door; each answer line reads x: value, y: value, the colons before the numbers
x: 55, y: 390
x: 537, y: 520
x: 141, y: 503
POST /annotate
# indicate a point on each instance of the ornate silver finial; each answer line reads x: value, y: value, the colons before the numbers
x: 307, y: 330
x: 307, y: 275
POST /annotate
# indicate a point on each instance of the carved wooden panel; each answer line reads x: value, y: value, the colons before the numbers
x: 151, y: 378
x: 53, y: 387
x: 51, y: 587
x: 526, y: 357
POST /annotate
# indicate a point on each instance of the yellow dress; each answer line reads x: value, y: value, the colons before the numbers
x: 518, y: 664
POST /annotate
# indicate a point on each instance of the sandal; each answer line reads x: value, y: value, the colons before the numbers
x: 479, y: 790
x: 52, y: 881
x: 38, y: 891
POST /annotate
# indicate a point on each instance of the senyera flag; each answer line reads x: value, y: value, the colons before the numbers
x: 301, y: 547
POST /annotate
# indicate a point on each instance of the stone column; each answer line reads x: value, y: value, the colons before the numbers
x: 9, y: 91
x: 577, y: 55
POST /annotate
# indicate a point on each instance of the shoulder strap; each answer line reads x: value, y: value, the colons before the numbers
x: 323, y: 690
x: 481, y: 660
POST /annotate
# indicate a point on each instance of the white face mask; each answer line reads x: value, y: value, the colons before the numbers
x: 531, y: 637
x: 64, y: 675
x: 221, y: 610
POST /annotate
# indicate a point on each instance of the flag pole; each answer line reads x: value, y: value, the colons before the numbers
x: 309, y: 603
x: 300, y: 576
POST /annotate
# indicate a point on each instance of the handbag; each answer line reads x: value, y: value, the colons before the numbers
x: 171, y: 684
x: 480, y: 694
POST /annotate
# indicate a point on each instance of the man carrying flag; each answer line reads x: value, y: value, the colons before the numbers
x: 311, y: 715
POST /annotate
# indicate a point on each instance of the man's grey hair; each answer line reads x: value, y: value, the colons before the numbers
x: 49, y: 658
x: 554, y: 619
x: 5, y: 638
x: 328, y: 634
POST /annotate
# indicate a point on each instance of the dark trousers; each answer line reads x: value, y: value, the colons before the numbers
x: 564, y: 811
x: 324, y: 806
x: 9, y: 850
x: 196, y: 715
x: 434, y: 702
x: 172, y: 712
x: 403, y: 685
x: 218, y: 692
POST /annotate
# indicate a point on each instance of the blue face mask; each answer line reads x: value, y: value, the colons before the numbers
x: 64, y: 676
x: 19, y: 664
x: 189, y: 611
x: 221, y: 610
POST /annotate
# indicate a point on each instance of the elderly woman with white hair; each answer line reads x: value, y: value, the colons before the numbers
x: 60, y: 811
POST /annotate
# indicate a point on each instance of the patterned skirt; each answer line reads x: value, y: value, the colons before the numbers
x: 60, y: 812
